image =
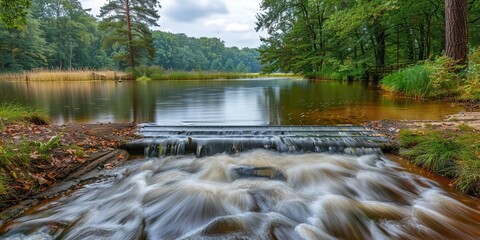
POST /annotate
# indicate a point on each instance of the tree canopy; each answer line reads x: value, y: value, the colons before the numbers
x: 126, y: 25
x: 61, y: 34
x: 13, y: 13
x: 316, y: 36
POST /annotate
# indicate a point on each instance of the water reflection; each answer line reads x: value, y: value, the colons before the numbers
x: 232, y: 102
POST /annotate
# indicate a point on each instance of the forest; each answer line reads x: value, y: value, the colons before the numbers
x: 62, y: 35
x: 326, y: 36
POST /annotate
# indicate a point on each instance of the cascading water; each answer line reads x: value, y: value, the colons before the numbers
x: 258, y: 194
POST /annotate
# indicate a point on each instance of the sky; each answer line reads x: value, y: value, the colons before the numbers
x: 233, y: 21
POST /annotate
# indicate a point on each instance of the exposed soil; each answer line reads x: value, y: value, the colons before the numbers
x: 82, y: 148
x: 390, y: 128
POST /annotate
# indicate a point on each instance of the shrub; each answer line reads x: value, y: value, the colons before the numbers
x: 411, y: 82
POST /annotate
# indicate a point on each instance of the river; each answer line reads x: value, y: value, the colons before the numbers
x: 222, y: 102
x: 257, y: 194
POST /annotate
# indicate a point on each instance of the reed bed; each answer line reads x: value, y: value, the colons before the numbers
x: 55, y: 75
x: 88, y: 75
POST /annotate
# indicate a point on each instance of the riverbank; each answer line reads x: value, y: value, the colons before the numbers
x: 449, y: 148
x: 36, y: 158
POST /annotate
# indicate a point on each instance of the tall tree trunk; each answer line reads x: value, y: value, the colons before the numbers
x: 131, y: 50
x: 380, y: 40
x: 428, y: 39
x: 456, y: 35
x: 421, y: 41
x: 410, y: 44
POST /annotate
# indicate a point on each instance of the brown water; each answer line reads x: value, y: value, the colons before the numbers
x: 250, y: 195
x: 232, y: 102
x: 313, y: 196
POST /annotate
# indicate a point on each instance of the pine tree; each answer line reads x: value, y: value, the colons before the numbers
x: 456, y: 35
x: 126, y: 24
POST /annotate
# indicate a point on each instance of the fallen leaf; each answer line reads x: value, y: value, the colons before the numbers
x: 108, y: 166
x: 35, y: 155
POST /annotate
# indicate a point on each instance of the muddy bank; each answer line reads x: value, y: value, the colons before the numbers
x: 391, y: 128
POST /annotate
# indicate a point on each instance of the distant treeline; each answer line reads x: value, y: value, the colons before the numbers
x: 179, y: 52
x: 62, y: 35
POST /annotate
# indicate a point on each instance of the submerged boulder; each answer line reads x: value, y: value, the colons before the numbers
x: 271, y: 173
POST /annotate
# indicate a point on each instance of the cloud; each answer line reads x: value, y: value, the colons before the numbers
x: 238, y: 27
x: 191, y: 10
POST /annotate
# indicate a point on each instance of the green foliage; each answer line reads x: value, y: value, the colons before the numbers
x: 126, y: 27
x: 434, y: 151
x: 337, y: 74
x: 470, y: 90
x: 452, y: 153
x: 440, y: 78
x: 3, y: 180
x: 412, y: 82
x: 445, y: 77
x: 19, y: 112
x: 13, y: 13
x: 44, y: 148
x: 182, y: 53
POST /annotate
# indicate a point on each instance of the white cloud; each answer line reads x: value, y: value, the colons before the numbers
x: 191, y: 10
x: 232, y: 21
x: 238, y: 27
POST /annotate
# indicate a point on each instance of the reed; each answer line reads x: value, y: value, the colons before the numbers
x: 55, y: 75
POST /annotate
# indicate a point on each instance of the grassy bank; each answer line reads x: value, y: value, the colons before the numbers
x: 438, y: 79
x: 11, y: 112
x: 16, y: 155
x: 452, y: 153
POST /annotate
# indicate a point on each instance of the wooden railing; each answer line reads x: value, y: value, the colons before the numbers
x: 377, y: 72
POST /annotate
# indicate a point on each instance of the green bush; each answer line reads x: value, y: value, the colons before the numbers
x: 440, y: 78
x: 411, y: 82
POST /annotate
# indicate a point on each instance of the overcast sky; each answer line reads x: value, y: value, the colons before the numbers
x: 233, y: 21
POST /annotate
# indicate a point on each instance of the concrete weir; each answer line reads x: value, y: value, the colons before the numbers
x: 209, y: 140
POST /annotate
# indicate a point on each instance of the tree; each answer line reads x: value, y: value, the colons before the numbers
x: 126, y: 24
x: 456, y: 35
x: 13, y: 13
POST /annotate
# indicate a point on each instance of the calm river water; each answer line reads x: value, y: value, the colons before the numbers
x: 227, y: 102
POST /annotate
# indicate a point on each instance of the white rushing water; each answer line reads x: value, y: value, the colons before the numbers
x: 255, y: 195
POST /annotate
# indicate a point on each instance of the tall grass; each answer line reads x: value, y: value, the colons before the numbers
x: 18, y: 112
x: 411, y: 82
x: 433, y: 151
x: 455, y: 154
